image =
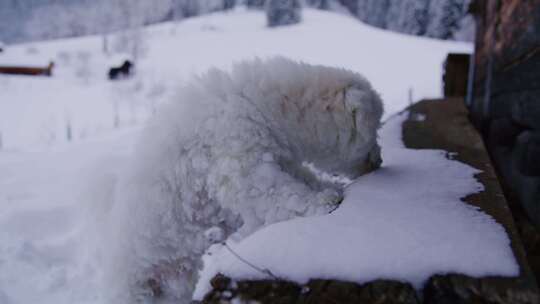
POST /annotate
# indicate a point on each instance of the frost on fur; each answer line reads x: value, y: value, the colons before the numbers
x: 270, y: 141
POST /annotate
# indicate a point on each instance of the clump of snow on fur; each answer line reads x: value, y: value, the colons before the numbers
x: 229, y: 155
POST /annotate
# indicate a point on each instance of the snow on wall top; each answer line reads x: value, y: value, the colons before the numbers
x: 404, y: 221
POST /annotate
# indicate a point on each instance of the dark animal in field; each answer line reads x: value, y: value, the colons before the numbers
x: 123, y: 71
x: 24, y: 70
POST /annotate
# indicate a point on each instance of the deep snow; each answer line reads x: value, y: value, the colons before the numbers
x: 50, y: 224
x: 56, y: 196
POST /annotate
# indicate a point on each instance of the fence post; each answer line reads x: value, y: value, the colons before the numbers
x: 68, y: 131
x: 116, y: 115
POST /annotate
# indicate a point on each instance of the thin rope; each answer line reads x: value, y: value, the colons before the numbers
x: 261, y: 270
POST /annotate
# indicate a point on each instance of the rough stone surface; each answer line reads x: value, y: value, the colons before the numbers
x: 527, y: 153
x: 447, y: 127
x: 460, y: 289
x: 507, y: 87
x: 526, y: 112
x: 314, y: 292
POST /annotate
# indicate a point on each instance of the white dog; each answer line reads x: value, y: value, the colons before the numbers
x: 270, y: 141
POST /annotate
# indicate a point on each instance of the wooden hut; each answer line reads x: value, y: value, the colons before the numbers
x: 456, y: 70
x: 28, y: 70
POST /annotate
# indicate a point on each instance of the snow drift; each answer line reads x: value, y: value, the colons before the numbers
x: 234, y: 152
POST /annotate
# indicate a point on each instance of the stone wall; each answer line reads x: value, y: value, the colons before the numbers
x: 505, y: 101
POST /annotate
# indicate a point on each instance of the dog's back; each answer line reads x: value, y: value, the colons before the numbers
x: 122, y: 71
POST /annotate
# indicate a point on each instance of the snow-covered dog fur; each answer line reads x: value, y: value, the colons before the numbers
x: 236, y: 151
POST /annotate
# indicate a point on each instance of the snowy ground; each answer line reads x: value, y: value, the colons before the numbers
x: 48, y: 218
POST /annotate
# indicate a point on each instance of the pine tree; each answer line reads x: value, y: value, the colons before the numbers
x: 255, y: 3
x: 373, y: 12
x: 282, y: 12
x: 408, y: 16
x: 319, y: 4
x: 445, y: 17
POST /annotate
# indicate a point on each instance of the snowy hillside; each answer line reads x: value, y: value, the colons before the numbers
x: 46, y: 19
x: 66, y: 141
x: 38, y: 110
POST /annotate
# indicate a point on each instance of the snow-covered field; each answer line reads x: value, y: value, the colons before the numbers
x: 51, y: 228
x: 37, y: 111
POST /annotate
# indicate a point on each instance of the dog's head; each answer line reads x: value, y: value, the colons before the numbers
x: 323, y: 115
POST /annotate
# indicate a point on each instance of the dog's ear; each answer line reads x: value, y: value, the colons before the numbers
x: 364, y: 103
x: 354, y: 97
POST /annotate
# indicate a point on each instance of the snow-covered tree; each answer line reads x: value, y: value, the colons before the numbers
x: 46, y: 19
x: 184, y: 8
x: 282, y: 12
x: 433, y: 18
x: 445, y: 17
x: 373, y: 12
x: 409, y: 16
x: 134, y: 13
x: 209, y: 6
x: 320, y: 4
x: 254, y: 3
x: 467, y: 29
x: 229, y: 4
x: 56, y: 20
x: 76, y: 18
